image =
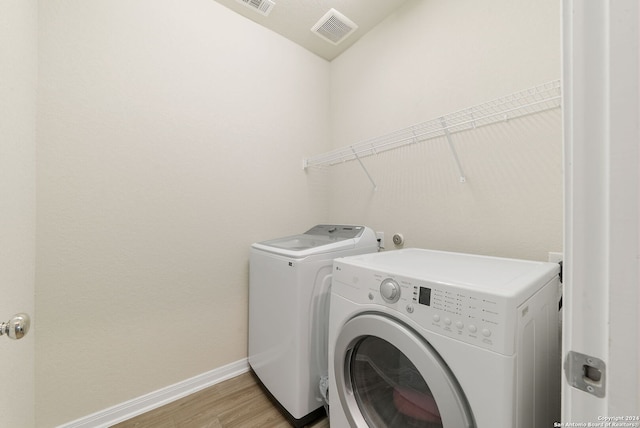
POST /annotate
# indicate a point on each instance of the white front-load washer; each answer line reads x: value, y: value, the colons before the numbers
x: 436, y: 339
x: 289, y: 281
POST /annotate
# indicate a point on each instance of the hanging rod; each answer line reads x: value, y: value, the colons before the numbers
x: 533, y: 100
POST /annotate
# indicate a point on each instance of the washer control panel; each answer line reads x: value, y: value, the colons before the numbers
x: 459, y: 312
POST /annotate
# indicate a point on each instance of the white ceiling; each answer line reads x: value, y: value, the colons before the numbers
x: 293, y: 19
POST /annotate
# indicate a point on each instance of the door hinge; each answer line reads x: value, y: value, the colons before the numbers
x: 586, y: 373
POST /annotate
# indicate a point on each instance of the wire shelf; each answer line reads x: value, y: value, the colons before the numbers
x: 534, y: 100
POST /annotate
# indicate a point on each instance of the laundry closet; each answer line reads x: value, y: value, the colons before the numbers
x: 170, y: 135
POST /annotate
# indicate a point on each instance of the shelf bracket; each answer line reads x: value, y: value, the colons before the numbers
x: 443, y: 122
x: 364, y: 169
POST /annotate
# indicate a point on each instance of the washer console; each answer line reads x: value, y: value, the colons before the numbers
x: 463, y: 314
x: 473, y: 314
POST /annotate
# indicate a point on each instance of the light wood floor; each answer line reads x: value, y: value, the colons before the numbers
x: 235, y: 403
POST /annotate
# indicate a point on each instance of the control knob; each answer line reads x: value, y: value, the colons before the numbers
x: 390, y: 290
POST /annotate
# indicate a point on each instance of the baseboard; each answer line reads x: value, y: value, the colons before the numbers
x: 153, y: 400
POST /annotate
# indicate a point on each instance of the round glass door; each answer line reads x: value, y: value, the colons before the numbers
x: 388, y: 388
x: 387, y: 376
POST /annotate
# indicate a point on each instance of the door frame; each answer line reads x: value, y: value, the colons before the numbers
x: 602, y: 168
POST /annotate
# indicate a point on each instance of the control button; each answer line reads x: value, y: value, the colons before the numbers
x: 459, y: 324
x: 472, y: 328
x: 390, y: 290
x: 447, y: 321
x: 436, y: 318
x: 410, y: 309
x: 370, y: 296
x: 486, y: 332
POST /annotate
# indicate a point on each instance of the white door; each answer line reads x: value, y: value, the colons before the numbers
x: 601, y: 116
x: 17, y: 205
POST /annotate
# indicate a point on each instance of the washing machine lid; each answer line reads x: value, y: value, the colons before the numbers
x: 322, y: 238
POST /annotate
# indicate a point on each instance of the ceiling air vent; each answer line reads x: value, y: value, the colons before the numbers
x: 263, y: 7
x: 334, y: 27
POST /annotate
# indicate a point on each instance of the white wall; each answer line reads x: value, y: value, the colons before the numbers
x: 170, y: 138
x: 435, y: 57
x: 18, y: 70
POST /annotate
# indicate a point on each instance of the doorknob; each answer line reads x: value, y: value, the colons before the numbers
x: 16, y: 327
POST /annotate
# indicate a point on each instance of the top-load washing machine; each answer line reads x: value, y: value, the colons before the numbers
x: 436, y: 339
x: 289, y: 283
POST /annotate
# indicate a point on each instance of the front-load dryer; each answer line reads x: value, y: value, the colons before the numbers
x: 436, y: 339
x: 289, y: 281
